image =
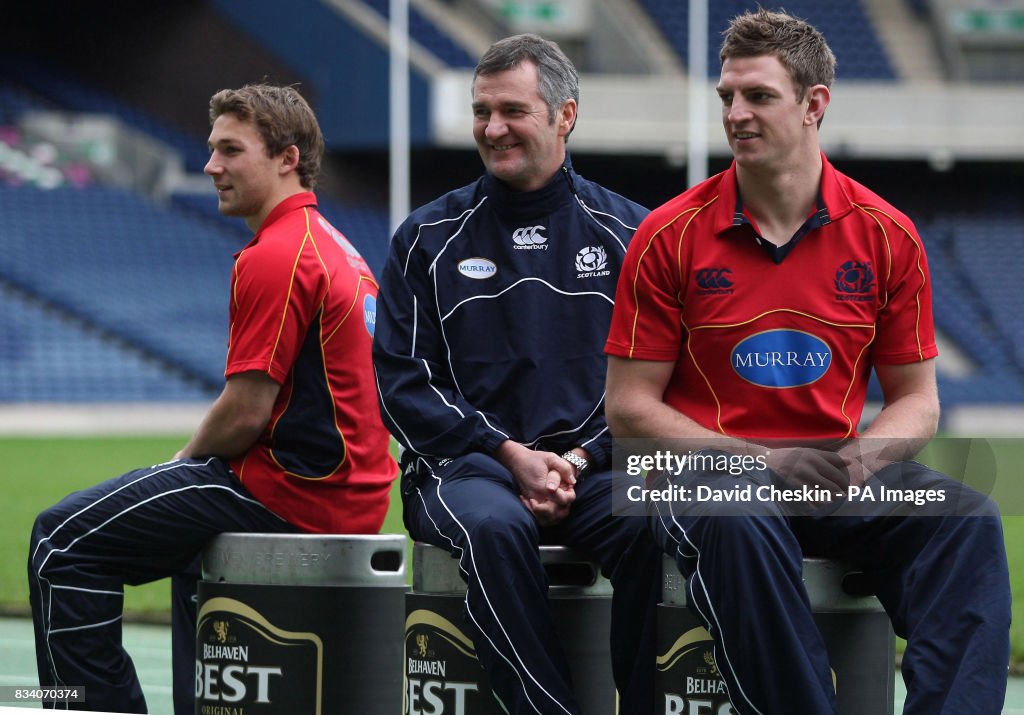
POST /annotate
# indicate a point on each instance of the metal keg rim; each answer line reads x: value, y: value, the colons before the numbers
x: 306, y: 559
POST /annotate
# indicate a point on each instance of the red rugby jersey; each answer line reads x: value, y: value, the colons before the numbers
x: 303, y: 307
x: 767, y: 348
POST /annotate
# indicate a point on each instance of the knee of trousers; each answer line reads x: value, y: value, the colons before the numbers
x: 982, y: 524
x: 973, y: 513
x: 502, y: 535
x: 45, y: 524
x: 732, y: 536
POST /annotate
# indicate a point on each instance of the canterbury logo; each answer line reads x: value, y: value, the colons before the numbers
x: 714, y: 278
x: 529, y: 236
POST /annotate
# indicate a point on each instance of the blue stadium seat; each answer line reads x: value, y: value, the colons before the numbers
x: 427, y: 34
x: 45, y: 357
x: 990, y: 252
x: 961, y: 313
x: 153, y: 277
x: 966, y: 257
x: 366, y: 228
x: 846, y: 26
x: 141, y: 272
x: 16, y: 100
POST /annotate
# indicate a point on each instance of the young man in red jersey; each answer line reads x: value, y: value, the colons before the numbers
x: 748, y: 317
x: 292, y: 444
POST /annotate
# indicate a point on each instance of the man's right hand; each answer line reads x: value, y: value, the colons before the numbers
x: 546, y: 481
x: 806, y: 466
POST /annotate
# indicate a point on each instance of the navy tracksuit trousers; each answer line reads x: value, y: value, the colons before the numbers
x: 142, y: 526
x: 471, y: 507
x: 939, y: 570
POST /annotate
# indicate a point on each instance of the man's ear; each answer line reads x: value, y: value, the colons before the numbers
x: 818, y: 98
x: 566, y: 117
x: 289, y: 160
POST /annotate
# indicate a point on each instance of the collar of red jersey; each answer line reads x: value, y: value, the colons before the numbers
x: 833, y: 201
x: 293, y: 202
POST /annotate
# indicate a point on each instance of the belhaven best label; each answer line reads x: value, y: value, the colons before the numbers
x: 246, y: 665
x: 689, y: 678
x: 442, y: 673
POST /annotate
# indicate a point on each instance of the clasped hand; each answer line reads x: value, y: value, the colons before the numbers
x: 830, y: 471
x: 547, y: 483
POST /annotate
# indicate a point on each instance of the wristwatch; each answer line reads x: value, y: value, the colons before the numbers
x: 577, y: 461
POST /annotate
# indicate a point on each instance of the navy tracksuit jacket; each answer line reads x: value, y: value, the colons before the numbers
x: 491, y: 322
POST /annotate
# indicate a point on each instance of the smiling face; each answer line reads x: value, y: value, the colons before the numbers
x: 249, y: 183
x: 517, y: 139
x: 766, y: 125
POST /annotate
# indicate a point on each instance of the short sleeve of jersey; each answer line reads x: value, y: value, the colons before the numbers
x: 905, y: 324
x: 647, y: 318
x: 272, y: 304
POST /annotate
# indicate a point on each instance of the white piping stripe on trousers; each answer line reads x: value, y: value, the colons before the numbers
x: 714, y: 616
x: 83, y: 628
x: 697, y: 578
x: 49, y: 603
x: 39, y: 571
x: 165, y: 468
x: 487, y: 600
x: 46, y: 604
x: 54, y: 587
x: 462, y: 568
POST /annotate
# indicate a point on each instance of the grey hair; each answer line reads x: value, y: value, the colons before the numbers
x: 558, y: 78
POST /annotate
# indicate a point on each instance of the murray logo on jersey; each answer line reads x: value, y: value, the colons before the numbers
x: 592, y: 262
x: 781, y: 358
x: 370, y: 314
x: 530, y: 238
x: 477, y: 268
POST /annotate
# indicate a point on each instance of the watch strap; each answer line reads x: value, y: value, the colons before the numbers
x: 577, y: 461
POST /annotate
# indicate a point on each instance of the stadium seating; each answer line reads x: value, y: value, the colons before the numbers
x: 60, y: 91
x: 153, y: 277
x: 116, y: 264
x: 16, y: 100
x: 47, y: 357
x: 118, y: 298
x: 156, y: 280
x: 846, y: 25
x: 426, y: 34
x: 365, y: 227
x: 990, y: 252
x: 959, y: 311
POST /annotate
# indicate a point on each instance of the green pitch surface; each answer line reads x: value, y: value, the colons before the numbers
x: 38, y: 471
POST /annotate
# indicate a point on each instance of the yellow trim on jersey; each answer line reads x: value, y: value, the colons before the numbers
x: 636, y: 278
x: 920, y: 267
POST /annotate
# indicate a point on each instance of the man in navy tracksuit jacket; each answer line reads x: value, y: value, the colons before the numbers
x: 494, y: 307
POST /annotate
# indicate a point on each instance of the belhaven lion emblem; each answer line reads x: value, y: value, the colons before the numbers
x: 709, y: 658
x: 421, y: 641
x: 221, y: 629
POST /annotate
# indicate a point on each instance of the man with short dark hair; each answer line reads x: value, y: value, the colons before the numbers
x: 292, y: 444
x: 749, y: 314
